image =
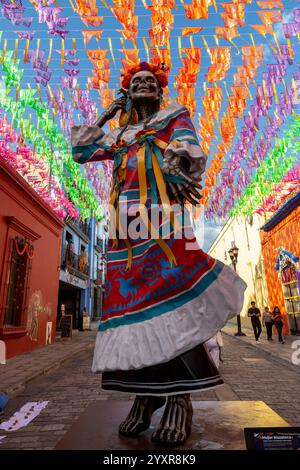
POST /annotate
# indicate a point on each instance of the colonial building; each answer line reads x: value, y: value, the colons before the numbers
x: 82, y: 269
x: 74, y: 276
x: 99, y: 266
x: 280, y: 238
x: 244, y: 233
x: 30, y: 249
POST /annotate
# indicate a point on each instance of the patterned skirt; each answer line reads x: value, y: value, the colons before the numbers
x: 157, y: 318
x: 192, y: 371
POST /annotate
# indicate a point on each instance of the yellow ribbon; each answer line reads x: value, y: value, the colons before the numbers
x: 129, y: 261
x: 143, y: 199
x: 167, y: 250
x: 143, y: 195
x: 26, y: 51
x: 114, y: 219
x: 16, y: 50
x: 142, y: 174
x: 115, y: 196
x: 163, y: 193
x: 161, y: 143
x: 163, y: 245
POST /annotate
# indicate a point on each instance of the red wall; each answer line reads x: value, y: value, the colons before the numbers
x: 286, y: 234
x: 23, y: 213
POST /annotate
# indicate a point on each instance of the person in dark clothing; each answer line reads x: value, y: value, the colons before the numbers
x: 254, y: 314
x: 278, y: 322
x: 83, y: 313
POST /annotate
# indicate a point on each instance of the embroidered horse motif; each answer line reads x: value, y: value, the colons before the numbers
x: 128, y: 288
x: 167, y: 271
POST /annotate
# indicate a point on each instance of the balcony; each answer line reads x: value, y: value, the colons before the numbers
x: 76, y: 264
x: 98, y: 277
x: 83, y: 229
x: 99, y: 244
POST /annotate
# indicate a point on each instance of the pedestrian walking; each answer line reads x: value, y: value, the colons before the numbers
x: 254, y: 314
x: 278, y: 322
x: 83, y: 314
x: 268, y: 323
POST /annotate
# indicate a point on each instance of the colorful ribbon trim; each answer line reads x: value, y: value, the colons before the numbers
x: 150, y: 161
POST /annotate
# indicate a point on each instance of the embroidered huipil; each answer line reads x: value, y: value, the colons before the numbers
x: 163, y: 296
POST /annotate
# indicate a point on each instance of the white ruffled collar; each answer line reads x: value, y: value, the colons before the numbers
x: 156, y: 119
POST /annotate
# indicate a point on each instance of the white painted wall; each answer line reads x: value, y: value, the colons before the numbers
x: 250, y: 263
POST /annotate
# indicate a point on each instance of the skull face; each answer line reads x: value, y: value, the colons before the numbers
x: 144, y: 86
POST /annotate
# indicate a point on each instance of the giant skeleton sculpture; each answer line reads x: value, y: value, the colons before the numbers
x: 163, y: 300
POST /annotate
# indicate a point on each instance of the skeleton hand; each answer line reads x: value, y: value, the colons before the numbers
x: 185, y: 190
x: 111, y: 111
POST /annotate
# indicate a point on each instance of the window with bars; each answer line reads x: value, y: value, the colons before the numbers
x: 18, y: 283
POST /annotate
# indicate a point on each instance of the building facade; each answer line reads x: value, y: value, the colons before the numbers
x: 280, y: 239
x: 74, y: 276
x: 30, y: 248
x: 244, y: 232
x: 82, y: 270
x: 99, y: 266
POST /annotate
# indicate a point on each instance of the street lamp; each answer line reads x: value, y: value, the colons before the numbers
x: 233, y: 253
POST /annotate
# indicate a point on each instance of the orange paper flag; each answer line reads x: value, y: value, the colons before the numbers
x: 234, y: 12
x: 96, y: 54
x: 263, y: 29
x: 193, y: 30
x: 255, y: 51
x: 107, y: 97
x: 88, y: 34
x: 123, y: 10
x: 103, y: 74
x: 221, y: 61
x: 162, y: 20
x: 227, y: 33
x: 195, y: 13
x: 161, y: 55
x: 130, y: 60
x: 212, y: 101
x: 159, y: 39
x: 85, y: 7
x: 228, y: 21
x: 187, y: 77
x: 198, y: 9
x: 92, y: 20
x: 268, y: 4
x: 270, y: 17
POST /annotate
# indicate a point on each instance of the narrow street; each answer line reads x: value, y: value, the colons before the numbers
x: 150, y: 191
x: 248, y: 375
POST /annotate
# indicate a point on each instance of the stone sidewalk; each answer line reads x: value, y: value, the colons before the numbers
x: 72, y: 387
x: 273, y: 350
x: 19, y: 370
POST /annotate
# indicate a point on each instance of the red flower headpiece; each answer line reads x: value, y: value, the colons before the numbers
x: 160, y: 72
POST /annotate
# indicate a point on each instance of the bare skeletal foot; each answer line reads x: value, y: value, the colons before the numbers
x: 139, y: 417
x: 176, y: 422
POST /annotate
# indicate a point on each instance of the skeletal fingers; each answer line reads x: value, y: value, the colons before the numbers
x: 139, y: 417
x: 175, y: 425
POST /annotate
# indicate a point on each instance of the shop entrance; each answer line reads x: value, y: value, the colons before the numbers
x: 69, y: 297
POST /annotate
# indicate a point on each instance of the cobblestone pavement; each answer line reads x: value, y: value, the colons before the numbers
x: 273, y: 349
x: 253, y: 376
x: 72, y: 387
x: 21, y: 369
